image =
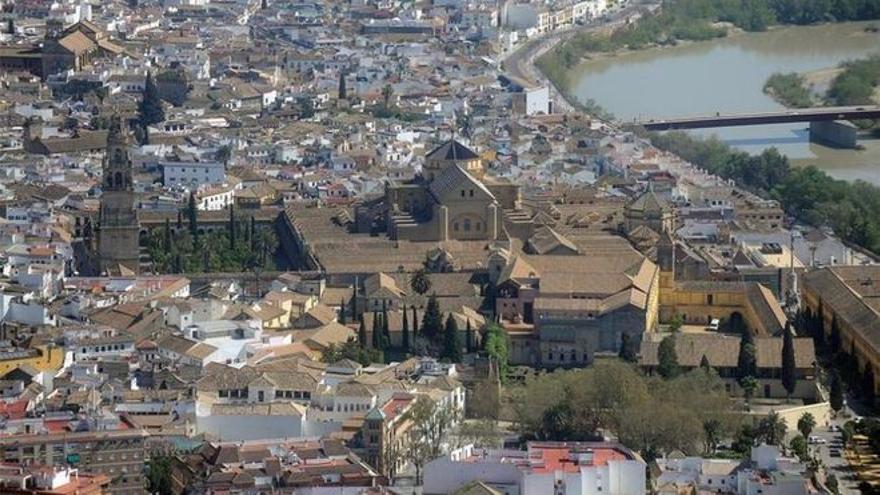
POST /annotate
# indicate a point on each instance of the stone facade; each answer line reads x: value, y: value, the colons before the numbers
x: 118, y: 249
x: 451, y: 200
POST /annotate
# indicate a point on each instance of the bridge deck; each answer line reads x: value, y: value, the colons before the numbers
x: 780, y: 117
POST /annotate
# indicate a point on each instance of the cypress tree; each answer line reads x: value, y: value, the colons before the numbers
x: 377, y: 331
x: 150, y: 109
x: 386, y: 332
x: 836, y: 395
x: 789, y: 377
x: 834, y: 340
x: 747, y: 360
x: 166, y: 242
x: 342, y: 311
x: 192, y: 214
x: 451, y: 341
x: 362, y: 333
x: 404, y: 332
x: 627, y: 348
x: 343, y: 94
x: 868, y: 382
x: 667, y: 358
x: 354, y: 300
x: 704, y: 364
x: 432, y: 322
x: 415, y: 320
x: 179, y: 220
x: 253, y: 232
x: 231, y: 227
x: 468, y: 337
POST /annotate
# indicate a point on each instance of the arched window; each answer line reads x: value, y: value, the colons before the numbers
x: 467, y: 225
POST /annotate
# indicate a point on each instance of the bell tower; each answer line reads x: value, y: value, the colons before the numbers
x: 118, y: 249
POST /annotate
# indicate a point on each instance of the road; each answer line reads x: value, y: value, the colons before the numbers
x: 520, y: 63
x: 835, y: 465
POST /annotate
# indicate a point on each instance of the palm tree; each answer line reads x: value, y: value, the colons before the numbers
x: 805, y: 424
x: 420, y: 282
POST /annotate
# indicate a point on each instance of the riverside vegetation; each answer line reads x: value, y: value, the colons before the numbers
x: 697, y: 20
x: 852, y: 209
x: 855, y: 85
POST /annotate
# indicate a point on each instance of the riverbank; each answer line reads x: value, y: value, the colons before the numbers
x: 688, y: 22
x: 523, y: 62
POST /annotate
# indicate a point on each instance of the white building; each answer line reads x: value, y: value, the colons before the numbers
x: 192, y: 174
x: 532, y: 101
x: 583, y: 468
x: 768, y: 472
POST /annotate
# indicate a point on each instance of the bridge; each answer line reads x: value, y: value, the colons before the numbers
x: 821, y: 114
x: 828, y: 125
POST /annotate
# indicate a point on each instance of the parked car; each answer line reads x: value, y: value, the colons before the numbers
x: 817, y: 440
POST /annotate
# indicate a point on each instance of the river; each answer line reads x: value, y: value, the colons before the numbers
x: 727, y: 75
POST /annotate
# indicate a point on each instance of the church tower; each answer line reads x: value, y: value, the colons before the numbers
x: 118, y: 250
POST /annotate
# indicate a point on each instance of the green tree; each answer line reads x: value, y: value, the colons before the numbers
x: 432, y: 423
x: 451, y: 341
x: 342, y: 315
x: 836, y: 393
x: 351, y: 349
x: 495, y: 345
x: 166, y: 239
x: 628, y: 350
x: 432, y: 321
x: 420, y: 282
x: 377, y: 331
x: 805, y: 424
x: 192, y: 214
x: 789, y: 369
x: 306, y: 107
x: 676, y: 323
x: 387, y: 92
x: 834, y: 339
x: 231, y: 227
x: 798, y: 445
x: 771, y: 429
x: 747, y: 364
x: 667, y: 358
x: 343, y: 94
x: 704, y: 364
x: 362, y: 333
x: 404, y: 332
x: 159, y: 475
x: 712, y: 431
x: 468, y: 337
x: 744, y: 440
x: 386, y: 331
x: 749, y: 385
x: 559, y: 422
x: 224, y: 155
x: 415, y: 322
x: 150, y: 110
